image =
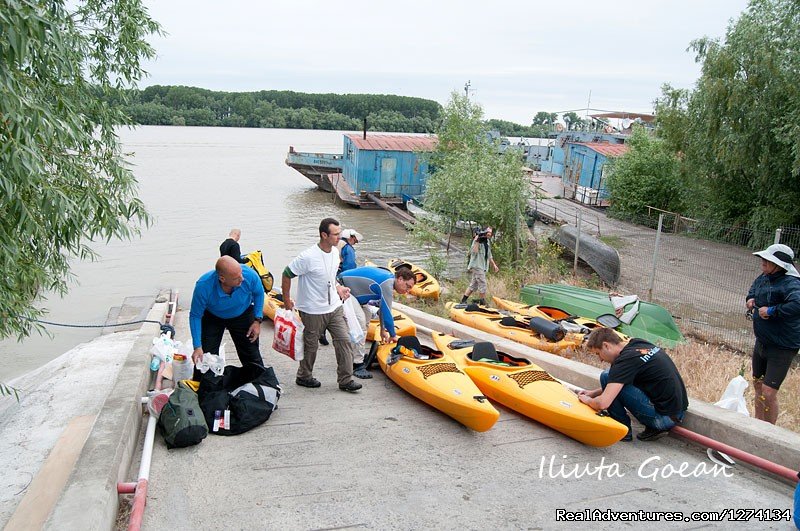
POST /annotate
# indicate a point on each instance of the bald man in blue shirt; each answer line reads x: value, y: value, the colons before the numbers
x: 229, y: 297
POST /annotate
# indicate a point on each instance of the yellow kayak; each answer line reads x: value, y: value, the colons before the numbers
x: 570, y: 321
x: 403, y: 326
x: 272, y: 301
x: 511, y: 326
x: 437, y: 381
x: 426, y: 287
x: 528, y: 389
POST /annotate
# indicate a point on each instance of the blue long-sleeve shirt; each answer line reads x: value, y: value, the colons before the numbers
x: 371, y: 284
x: 208, y: 296
x: 348, y: 256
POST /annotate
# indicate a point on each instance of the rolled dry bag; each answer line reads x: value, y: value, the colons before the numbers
x: 549, y: 329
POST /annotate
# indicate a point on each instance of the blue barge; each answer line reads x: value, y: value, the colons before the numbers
x: 387, y: 166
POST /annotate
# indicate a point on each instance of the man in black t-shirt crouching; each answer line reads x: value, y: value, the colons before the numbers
x: 642, y: 379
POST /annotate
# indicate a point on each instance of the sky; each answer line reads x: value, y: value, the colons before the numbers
x: 518, y: 57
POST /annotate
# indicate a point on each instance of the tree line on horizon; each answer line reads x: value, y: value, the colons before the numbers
x: 193, y: 106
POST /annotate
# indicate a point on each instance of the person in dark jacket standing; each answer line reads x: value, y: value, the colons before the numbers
x: 230, y: 247
x: 642, y: 379
x: 774, y: 303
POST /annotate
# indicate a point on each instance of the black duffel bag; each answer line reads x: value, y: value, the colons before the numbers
x: 250, y: 392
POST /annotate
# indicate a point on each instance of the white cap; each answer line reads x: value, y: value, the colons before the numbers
x: 346, y: 233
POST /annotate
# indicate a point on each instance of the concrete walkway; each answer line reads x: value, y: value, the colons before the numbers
x: 382, y: 459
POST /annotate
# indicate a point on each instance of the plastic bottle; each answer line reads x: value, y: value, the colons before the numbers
x: 182, y: 367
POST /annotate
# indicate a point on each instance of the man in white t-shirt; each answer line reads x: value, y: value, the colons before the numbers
x: 319, y: 301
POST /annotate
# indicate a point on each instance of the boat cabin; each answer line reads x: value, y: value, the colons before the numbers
x: 386, y: 163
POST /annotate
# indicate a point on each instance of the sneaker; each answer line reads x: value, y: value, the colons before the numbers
x: 323, y: 340
x: 628, y: 436
x: 651, y: 434
x: 351, y: 387
x: 308, y: 382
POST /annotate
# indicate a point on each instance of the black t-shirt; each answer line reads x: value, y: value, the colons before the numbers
x: 230, y: 247
x: 649, y: 368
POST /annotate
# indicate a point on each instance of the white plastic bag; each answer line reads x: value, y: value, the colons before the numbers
x: 733, y: 397
x: 163, y: 348
x: 354, y: 330
x: 215, y: 362
x: 288, y: 334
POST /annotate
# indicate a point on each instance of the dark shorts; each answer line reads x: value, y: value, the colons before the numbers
x: 770, y: 363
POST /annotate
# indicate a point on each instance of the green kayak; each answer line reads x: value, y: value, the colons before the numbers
x: 652, y: 322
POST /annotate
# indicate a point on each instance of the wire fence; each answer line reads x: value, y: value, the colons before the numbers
x: 700, y: 271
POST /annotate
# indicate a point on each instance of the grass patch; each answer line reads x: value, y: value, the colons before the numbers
x: 613, y: 241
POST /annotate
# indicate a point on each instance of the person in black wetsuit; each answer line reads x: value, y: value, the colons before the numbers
x: 642, y: 379
x: 230, y: 247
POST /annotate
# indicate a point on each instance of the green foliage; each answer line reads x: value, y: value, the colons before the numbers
x: 545, y: 118
x: 64, y: 180
x: 573, y: 121
x: 739, y: 130
x: 645, y: 176
x: 160, y: 105
x: 549, y: 263
x: 473, y: 183
x: 427, y: 235
x: 507, y: 128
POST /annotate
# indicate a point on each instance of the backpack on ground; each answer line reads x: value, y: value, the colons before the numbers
x: 181, y: 421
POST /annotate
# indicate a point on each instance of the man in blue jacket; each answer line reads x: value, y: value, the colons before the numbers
x: 374, y: 286
x: 229, y: 297
x: 774, y: 303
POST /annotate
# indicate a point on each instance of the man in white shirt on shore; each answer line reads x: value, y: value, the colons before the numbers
x: 319, y: 301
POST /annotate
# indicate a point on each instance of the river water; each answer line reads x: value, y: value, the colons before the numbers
x: 198, y: 183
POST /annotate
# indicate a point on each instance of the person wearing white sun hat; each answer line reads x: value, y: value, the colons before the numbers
x: 774, y: 303
x: 350, y: 237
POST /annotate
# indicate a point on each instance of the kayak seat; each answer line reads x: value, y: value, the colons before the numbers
x: 510, y: 321
x: 410, y: 342
x: 474, y: 307
x: 484, y: 350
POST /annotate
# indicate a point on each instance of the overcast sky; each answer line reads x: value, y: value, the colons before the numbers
x: 520, y: 57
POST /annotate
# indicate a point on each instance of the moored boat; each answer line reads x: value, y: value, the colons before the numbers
x: 516, y: 327
x: 433, y: 377
x: 523, y: 386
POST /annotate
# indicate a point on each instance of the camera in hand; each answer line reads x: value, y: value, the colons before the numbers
x: 482, y: 234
